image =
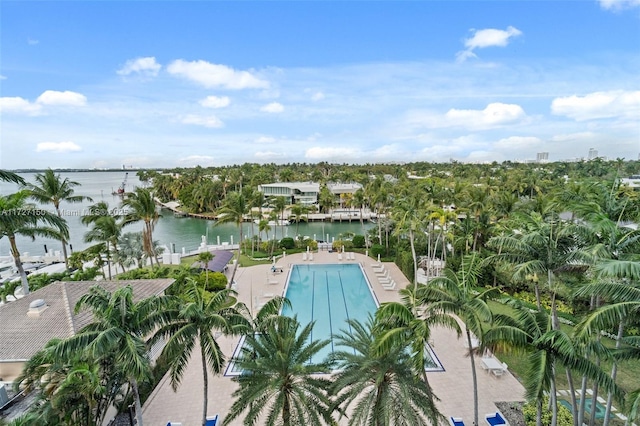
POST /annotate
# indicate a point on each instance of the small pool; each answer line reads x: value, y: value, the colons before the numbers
x: 329, y: 295
x: 600, y: 410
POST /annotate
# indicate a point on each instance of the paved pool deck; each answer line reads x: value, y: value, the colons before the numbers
x: 256, y: 284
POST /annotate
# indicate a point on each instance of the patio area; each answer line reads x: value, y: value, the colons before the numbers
x: 257, y: 283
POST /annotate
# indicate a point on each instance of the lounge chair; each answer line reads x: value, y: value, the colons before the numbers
x: 174, y: 424
x: 211, y: 420
x: 385, y: 280
x: 304, y: 256
x: 379, y: 268
x: 456, y: 421
x: 389, y: 286
x: 496, y: 419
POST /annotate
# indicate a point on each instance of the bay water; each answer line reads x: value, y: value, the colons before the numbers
x: 172, y: 232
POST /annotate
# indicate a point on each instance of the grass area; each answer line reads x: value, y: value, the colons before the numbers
x: 628, y: 371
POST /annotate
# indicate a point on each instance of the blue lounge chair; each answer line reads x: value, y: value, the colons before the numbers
x: 456, y: 421
x: 212, y: 420
x: 496, y: 419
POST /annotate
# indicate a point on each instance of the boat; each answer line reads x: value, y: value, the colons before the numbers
x: 121, y: 190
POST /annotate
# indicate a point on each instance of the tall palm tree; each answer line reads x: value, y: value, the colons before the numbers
x: 120, y: 326
x: 408, y: 324
x: 205, y: 257
x: 298, y: 211
x: 409, y: 212
x: 18, y: 217
x: 279, y: 377
x: 455, y: 293
x: 50, y: 188
x: 534, y: 331
x: 142, y: 207
x: 379, y: 386
x: 192, y: 321
x: 106, y: 231
x: 233, y: 210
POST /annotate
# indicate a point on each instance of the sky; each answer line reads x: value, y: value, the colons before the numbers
x: 146, y: 84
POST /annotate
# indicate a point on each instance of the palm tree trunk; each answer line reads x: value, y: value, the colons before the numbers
x: 553, y: 397
x: 539, y: 412
x: 583, y: 392
x: 614, y: 372
x: 205, y: 390
x: 136, y: 397
x: 574, y: 403
x: 474, y: 376
x: 594, y: 398
x: 16, y: 259
x: 415, y: 262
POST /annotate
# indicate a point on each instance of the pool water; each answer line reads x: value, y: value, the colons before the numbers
x: 329, y: 295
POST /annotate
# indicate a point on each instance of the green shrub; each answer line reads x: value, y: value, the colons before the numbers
x: 287, y: 243
x: 565, y: 418
x: 377, y: 249
x: 312, y: 244
x: 358, y: 241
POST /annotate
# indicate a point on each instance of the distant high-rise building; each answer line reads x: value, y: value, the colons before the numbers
x: 542, y: 157
x: 593, y: 153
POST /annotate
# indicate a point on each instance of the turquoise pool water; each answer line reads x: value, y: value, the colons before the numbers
x: 329, y: 295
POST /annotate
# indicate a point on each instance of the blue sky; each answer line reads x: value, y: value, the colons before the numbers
x: 164, y: 84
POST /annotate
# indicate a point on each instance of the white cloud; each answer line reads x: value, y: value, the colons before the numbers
x: 325, y: 153
x: 597, y: 105
x: 206, y: 121
x: 318, y: 96
x: 488, y: 37
x: 495, y: 114
x: 215, y: 75
x: 573, y: 136
x: 517, y: 143
x: 196, y: 160
x: 265, y: 139
x: 2, y: 77
x: 269, y: 155
x: 215, y: 102
x: 273, y: 107
x: 619, y: 4
x: 58, y: 147
x: 32, y: 41
x: 53, y: 97
x: 18, y: 104
x: 145, y: 66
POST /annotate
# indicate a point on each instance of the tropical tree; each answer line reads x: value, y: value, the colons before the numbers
x: 205, y: 257
x: 233, y: 210
x: 298, y: 211
x: 120, y: 326
x: 106, y: 231
x: 409, y: 324
x: 379, y: 387
x: 280, y: 377
x: 191, y: 321
x: 455, y: 293
x: 409, y: 212
x: 142, y: 207
x: 547, y: 347
x: 11, y: 177
x: 50, y: 188
x: 18, y: 217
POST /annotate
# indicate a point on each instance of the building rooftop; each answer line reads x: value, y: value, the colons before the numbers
x: 30, y: 322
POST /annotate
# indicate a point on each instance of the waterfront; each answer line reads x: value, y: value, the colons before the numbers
x: 172, y: 232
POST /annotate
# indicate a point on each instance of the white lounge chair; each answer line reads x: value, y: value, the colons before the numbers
x: 310, y: 257
x: 496, y: 419
x: 390, y: 286
x: 385, y: 280
x: 304, y: 256
x: 378, y: 268
x: 339, y: 256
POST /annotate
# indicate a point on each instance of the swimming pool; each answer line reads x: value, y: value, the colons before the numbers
x: 329, y: 295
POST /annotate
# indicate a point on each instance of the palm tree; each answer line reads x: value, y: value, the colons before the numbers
x: 17, y: 217
x: 142, y: 207
x: 408, y: 213
x: 298, y: 211
x: 408, y: 324
x: 119, y: 328
x: 205, y: 257
x: 279, y: 377
x: 106, y: 231
x: 50, y: 188
x: 534, y: 331
x: 130, y: 249
x: 380, y: 385
x: 234, y: 208
x: 191, y: 321
x: 455, y: 293
x: 11, y: 177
